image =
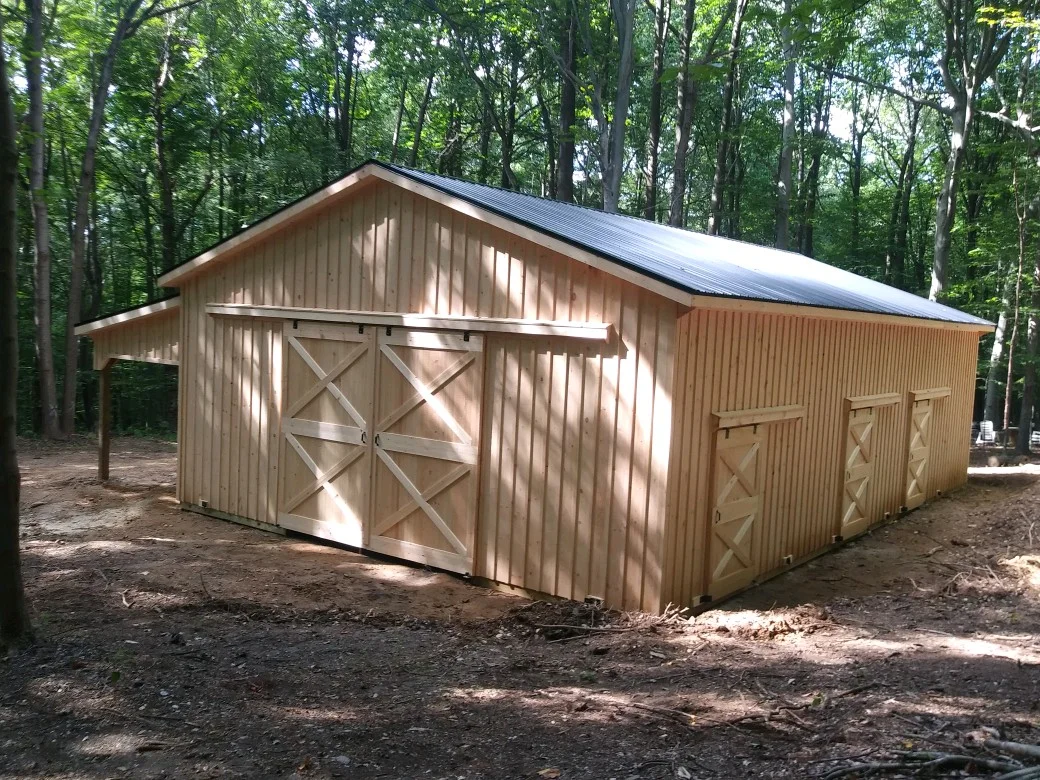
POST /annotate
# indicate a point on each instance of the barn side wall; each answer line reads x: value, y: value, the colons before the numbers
x: 730, y: 360
x: 151, y: 339
x: 575, y: 444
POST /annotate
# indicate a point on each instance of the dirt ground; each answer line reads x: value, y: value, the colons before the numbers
x: 174, y: 645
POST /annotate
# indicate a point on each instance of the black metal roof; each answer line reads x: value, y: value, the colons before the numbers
x: 694, y: 262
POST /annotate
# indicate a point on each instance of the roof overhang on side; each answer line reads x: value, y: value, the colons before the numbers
x: 148, y: 334
x: 818, y: 312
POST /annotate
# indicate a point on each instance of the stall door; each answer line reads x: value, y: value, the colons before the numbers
x: 737, y: 510
x: 427, y: 431
x: 859, y: 472
x: 327, y: 409
x: 917, y: 457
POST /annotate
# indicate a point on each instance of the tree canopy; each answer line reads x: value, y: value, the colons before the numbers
x: 895, y: 139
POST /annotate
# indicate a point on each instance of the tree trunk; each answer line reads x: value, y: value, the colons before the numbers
x: 420, y: 120
x: 43, y: 330
x: 612, y: 131
x: 550, y: 142
x: 126, y: 26
x: 990, y: 409
x: 484, y: 146
x: 568, y: 103
x: 400, y: 119
x: 346, y: 112
x: 653, y: 140
x: 508, y: 134
x: 686, y: 101
x: 14, y: 616
x: 1025, y: 417
x: 148, y: 239
x: 784, y: 180
x: 735, y: 172
x: 167, y: 217
x: 718, y: 183
x: 856, y: 188
x: 811, y: 188
x: 946, y: 205
x: 1017, y: 305
x: 895, y: 260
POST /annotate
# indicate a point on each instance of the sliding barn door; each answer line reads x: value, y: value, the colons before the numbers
x: 327, y: 412
x: 859, y: 471
x: 427, y: 431
x: 917, y: 457
x: 737, y: 510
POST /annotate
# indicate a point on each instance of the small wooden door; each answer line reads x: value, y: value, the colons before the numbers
x: 859, y: 471
x: 327, y: 413
x: 737, y: 510
x: 918, y: 450
x: 427, y: 432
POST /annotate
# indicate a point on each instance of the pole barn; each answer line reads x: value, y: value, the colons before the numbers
x: 547, y: 396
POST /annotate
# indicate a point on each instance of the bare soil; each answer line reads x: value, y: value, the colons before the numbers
x: 174, y: 645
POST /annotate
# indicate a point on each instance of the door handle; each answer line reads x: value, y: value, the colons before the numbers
x: 362, y: 437
x: 377, y: 440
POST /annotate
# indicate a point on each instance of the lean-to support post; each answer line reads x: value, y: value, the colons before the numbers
x: 104, y: 419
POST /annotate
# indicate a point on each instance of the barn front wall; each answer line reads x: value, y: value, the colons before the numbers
x: 574, y: 436
x: 794, y: 432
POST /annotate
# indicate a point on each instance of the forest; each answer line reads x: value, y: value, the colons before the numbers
x: 895, y: 139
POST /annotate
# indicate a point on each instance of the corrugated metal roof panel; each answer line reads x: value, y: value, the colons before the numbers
x: 694, y: 262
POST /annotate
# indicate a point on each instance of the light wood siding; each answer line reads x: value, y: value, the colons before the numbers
x: 152, y: 339
x: 728, y: 361
x: 574, y: 456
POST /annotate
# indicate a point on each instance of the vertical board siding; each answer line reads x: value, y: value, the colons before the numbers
x: 152, y: 339
x: 727, y: 361
x: 576, y: 436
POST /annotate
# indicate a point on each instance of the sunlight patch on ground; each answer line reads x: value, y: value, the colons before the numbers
x: 57, y: 521
x: 103, y: 745
x: 1024, y: 468
x: 1027, y: 567
x: 312, y: 549
x: 60, y: 551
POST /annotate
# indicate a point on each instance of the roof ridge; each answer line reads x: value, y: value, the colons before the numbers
x: 635, y: 218
x: 508, y: 191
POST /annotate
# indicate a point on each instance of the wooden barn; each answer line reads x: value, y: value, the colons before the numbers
x: 547, y: 396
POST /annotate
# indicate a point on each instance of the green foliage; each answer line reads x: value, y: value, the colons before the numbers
x: 260, y: 101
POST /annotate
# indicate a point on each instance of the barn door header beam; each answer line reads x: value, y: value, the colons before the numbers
x: 587, y: 331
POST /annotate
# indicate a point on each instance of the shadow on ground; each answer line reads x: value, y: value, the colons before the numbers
x: 173, y: 645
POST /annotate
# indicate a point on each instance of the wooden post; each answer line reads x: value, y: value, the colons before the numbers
x: 104, y: 419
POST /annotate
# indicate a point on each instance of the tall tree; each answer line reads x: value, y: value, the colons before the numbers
x: 33, y: 55
x: 723, y: 158
x: 973, y: 50
x: 687, y: 86
x: 662, y: 19
x: 135, y: 14
x: 895, y: 256
x: 784, y: 180
x: 611, y: 124
x: 568, y: 106
x: 14, y: 617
